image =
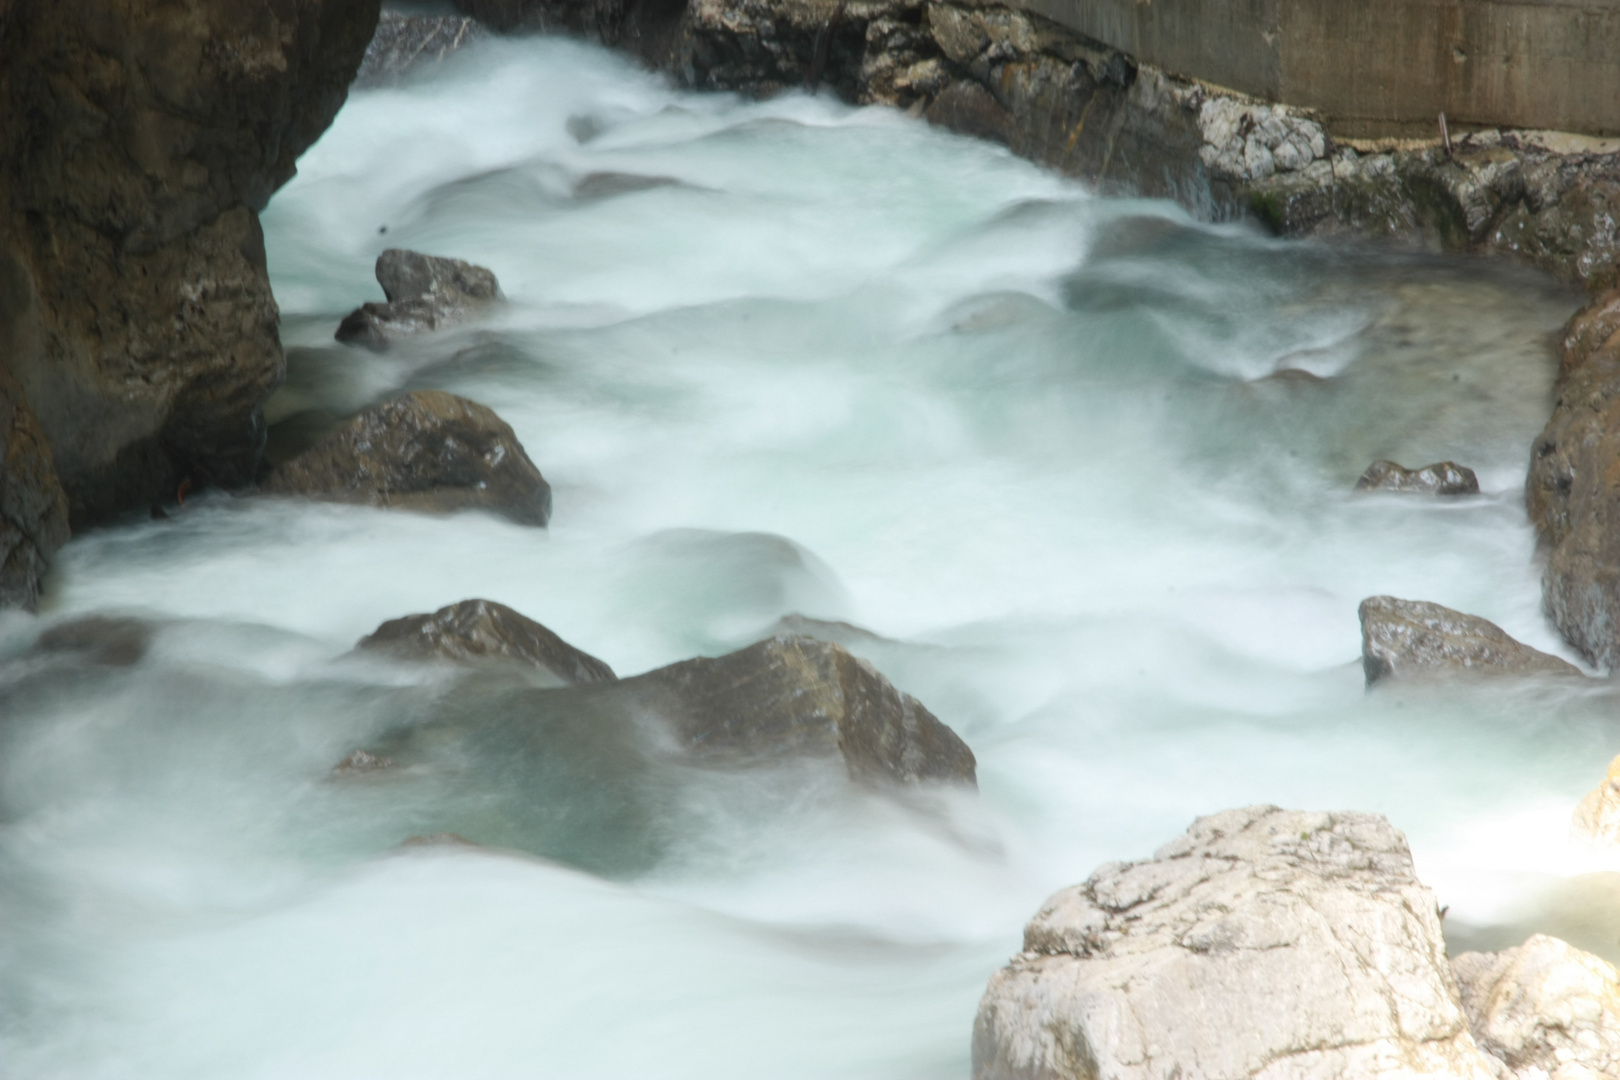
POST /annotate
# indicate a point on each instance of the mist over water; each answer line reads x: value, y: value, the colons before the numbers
x: 1081, y: 466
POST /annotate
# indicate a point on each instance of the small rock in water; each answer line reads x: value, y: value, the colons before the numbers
x: 1441, y: 478
x: 427, y: 451
x: 362, y: 761
x: 1262, y: 943
x: 425, y: 293
x: 438, y: 840
x: 1544, y: 1009
x: 116, y: 642
x: 1597, y: 818
x: 1406, y: 638
x: 407, y: 43
x: 482, y: 630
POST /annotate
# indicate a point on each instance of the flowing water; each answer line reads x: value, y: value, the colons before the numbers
x: 1080, y: 467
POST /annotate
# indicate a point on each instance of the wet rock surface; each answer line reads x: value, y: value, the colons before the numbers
x: 101, y: 639
x: 407, y: 44
x: 33, y: 507
x: 1441, y: 478
x: 1573, y: 492
x: 138, y: 141
x: 427, y: 451
x: 1546, y: 1010
x: 425, y: 293
x: 1261, y: 943
x: 1597, y: 818
x: 1403, y: 639
x: 475, y: 631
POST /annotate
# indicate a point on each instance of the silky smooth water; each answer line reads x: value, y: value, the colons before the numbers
x: 1082, y: 465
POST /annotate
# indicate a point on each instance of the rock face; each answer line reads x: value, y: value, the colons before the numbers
x: 1262, y: 943
x: 1597, y: 818
x: 33, y: 508
x: 1442, y: 478
x: 482, y: 630
x: 138, y: 141
x: 1572, y: 491
x: 407, y: 44
x: 796, y: 696
x: 425, y: 292
x: 1546, y: 1010
x: 427, y: 451
x: 1414, y: 638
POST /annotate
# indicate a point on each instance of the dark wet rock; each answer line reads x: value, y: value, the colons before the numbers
x: 834, y: 630
x: 1442, y: 478
x: 796, y: 696
x: 427, y: 451
x: 406, y: 44
x: 33, y: 507
x: 1262, y: 943
x: 1413, y: 638
x: 138, y: 142
x: 475, y: 631
x: 116, y: 642
x: 1573, y: 492
x: 362, y: 762
x: 439, y: 840
x: 425, y: 292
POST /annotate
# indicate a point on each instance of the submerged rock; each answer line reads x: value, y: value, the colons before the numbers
x: 33, y: 507
x: 1262, y: 943
x: 361, y: 762
x: 481, y: 630
x: 1597, y: 818
x: 1407, y: 638
x: 1441, y: 478
x: 116, y: 642
x: 794, y: 696
x: 404, y: 44
x: 425, y: 292
x: 1573, y: 493
x: 427, y: 451
x: 1546, y: 1010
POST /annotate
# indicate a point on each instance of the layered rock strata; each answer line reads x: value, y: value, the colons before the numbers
x: 425, y: 293
x: 1262, y: 943
x: 477, y: 631
x: 426, y: 451
x: 1441, y: 478
x: 1403, y: 639
x: 138, y: 141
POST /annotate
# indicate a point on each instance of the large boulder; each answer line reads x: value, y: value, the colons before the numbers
x: 428, y: 451
x: 1414, y: 638
x: 1262, y: 943
x: 1441, y: 478
x: 33, y: 507
x: 139, y: 139
x: 1597, y: 818
x: 1546, y: 1010
x: 1573, y: 492
x: 425, y: 292
x: 476, y: 631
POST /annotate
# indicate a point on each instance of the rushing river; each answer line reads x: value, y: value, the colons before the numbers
x: 1082, y: 464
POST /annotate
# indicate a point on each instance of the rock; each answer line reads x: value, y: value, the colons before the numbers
x: 481, y: 630
x: 361, y: 762
x: 1414, y: 638
x: 427, y: 451
x: 33, y: 507
x: 1597, y: 818
x: 1442, y: 478
x: 1546, y: 1009
x: 796, y: 696
x: 1262, y: 943
x: 425, y: 292
x: 116, y: 642
x: 1573, y: 494
x: 406, y: 44
x: 139, y: 139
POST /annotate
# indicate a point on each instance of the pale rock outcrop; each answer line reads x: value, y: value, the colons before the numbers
x: 1414, y: 638
x: 477, y: 631
x: 1263, y: 943
x: 1441, y: 478
x: 1546, y: 1010
x: 425, y: 292
x: 1597, y: 818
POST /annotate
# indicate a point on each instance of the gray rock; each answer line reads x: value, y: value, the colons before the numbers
x: 116, y: 642
x: 1263, y: 943
x: 427, y: 451
x: 1414, y: 638
x: 407, y: 44
x: 33, y: 507
x: 362, y: 762
x: 425, y: 292
x: 1546, y: 1010
x: 474, y: 631
x: 1441, y: 478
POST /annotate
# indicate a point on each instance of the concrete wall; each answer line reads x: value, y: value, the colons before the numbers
x: 1383, y: 67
